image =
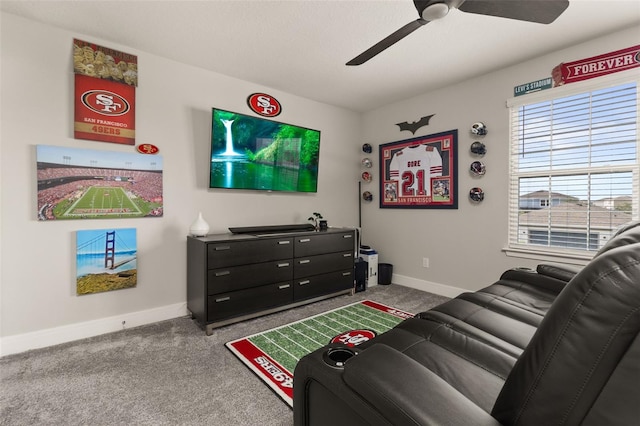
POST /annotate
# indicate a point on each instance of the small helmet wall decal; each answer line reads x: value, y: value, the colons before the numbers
x: 367, y: 148
x: 478, y: 148
x: 477, y: 168
x: 367, y: 196
x: 479, y: 128
x: 367, y: 163
x: 366, y: 176
x: 476, y: 194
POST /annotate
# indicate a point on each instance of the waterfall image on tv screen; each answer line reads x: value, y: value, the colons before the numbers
x: 254, y: 153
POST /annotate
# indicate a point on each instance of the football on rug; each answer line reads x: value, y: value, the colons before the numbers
x: 273, y: 354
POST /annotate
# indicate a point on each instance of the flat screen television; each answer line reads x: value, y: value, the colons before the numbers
x: 255, y: 153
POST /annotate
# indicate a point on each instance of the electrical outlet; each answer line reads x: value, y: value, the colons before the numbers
x: 425, y: 262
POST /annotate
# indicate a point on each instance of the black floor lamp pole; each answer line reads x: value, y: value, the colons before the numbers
x: 359, y: 205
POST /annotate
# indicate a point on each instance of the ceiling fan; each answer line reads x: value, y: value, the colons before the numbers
x: 539, y: 11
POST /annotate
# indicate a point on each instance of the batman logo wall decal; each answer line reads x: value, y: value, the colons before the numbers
x: 414, y: 126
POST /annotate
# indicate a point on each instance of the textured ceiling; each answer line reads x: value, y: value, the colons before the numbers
x: 301, y: 46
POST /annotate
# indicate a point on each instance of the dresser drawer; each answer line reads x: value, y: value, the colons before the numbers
x: 313, y: 265
x: 234, y: 278
x: 309, y: 245
x: 236, y: 303
x: 231, y: 253
x: 317, y: 285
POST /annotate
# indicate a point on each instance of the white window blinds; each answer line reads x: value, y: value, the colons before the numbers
x: 573, y: 168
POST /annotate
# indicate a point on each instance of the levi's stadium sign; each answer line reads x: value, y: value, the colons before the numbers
x: 534, y: 86
x: 263, y: 104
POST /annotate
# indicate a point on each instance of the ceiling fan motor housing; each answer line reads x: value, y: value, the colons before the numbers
x: 434, y: 11
x: 430, y: 10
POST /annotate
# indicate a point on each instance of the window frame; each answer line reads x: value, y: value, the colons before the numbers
x: 558, y: 254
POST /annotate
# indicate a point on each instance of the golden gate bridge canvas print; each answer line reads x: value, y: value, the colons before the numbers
x: 106, y: 259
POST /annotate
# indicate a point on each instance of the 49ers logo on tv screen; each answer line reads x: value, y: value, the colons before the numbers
x: 263, y: 104
x: 105, y: 103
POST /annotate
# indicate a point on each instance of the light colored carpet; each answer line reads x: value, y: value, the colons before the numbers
x: 168, y: 373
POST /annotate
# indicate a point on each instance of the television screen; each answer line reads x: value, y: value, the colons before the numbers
x: 254, y: 153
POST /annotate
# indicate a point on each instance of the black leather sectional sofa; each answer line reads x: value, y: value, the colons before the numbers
x: 545, y: 347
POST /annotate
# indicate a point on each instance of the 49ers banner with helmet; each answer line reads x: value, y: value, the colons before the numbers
x: 596, y: 66
x: 105, y: 93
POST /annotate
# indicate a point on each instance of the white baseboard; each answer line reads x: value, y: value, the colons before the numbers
x: 68, y: 333
x: 431, y: 287
x: 54, y: 336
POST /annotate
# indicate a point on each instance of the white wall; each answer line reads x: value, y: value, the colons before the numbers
x: 37, y: 288
x: 464, y: 246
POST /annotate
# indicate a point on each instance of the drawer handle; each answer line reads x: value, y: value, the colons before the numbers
x: 283, y: 265
x: 346, y: 274
x: 220, y: 248
x: 305, y: 240
x: 282, y: 287
x: 347, y: 236
x: 222, y: 273
x: 346, y: 255
x: 304, y: 282
x: 223, y: 299
x: 284, y: 242
x: 304, y: 261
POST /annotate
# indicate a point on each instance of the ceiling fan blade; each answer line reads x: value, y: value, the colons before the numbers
x: 539, y: 11
x: 387, y: 42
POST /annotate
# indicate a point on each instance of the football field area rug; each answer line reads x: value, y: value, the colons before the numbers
x: 273, y: 354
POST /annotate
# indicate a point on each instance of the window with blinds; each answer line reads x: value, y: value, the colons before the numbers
x: 573, y: 168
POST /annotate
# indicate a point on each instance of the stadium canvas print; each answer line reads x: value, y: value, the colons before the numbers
x: 420, y: 172
x: 106, y: 259
x: 91, y: 184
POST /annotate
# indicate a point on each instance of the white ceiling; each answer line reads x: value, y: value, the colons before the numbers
x: 301, y: 46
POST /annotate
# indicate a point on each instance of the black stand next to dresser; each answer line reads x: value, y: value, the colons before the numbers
x: 234, y: 277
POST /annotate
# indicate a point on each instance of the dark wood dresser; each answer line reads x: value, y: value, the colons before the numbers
x: 234, y: 277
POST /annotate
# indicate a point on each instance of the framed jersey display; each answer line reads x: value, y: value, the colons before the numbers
x: 420, y: 172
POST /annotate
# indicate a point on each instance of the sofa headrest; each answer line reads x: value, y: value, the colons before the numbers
x: 586, y: 332
x: 628, y: 233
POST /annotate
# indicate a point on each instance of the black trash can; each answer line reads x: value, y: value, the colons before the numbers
x: 385, y: 271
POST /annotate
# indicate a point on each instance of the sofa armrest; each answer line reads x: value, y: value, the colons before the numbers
x: 531, y: 277
x: 561, y: 272
x: 408, y: 393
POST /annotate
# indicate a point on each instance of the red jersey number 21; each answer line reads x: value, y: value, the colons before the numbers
x: 410, y: 180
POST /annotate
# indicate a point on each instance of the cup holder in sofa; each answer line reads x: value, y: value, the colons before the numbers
x: 336, y: 357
